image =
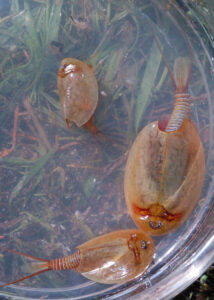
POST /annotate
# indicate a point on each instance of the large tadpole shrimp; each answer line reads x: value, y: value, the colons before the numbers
x: 115, y: 257
x: 165, y: 169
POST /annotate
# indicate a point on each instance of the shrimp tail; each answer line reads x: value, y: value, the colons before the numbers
x: 181, y: 111
x: 180, y: 80
x: 182, y: 71
x: 89, y: 125
x: 40, y: 266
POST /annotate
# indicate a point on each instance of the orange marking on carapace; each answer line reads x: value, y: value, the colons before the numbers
x: 157, y: 211
x: 61, y: 73
x: 134, y: 248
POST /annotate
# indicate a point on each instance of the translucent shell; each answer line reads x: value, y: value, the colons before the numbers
x: 78, y: 91
x: 116, y: 257
x: 164, y: 176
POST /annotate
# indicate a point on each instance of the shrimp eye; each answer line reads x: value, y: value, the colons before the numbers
x: 143, y: 244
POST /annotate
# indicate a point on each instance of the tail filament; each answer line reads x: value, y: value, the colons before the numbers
x: 43, y: 265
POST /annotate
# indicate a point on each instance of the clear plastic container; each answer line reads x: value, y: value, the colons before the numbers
x: 61, y: 187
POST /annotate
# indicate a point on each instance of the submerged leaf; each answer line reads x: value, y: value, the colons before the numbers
x: 29, y: 174
x: 147, y: 83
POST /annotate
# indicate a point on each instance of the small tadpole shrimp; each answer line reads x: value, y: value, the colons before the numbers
x: 78, y: 93
x: 115, y: 257
x: 165, y: 169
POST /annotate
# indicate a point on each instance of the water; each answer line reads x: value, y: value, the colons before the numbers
x: 60, y: 187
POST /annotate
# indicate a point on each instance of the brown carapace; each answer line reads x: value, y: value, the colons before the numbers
x: 115, y: 257
x: 165, y: 169
x: 78, y: 93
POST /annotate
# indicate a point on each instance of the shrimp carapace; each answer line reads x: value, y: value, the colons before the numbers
x: 78, y: 92
x: 165, y: 169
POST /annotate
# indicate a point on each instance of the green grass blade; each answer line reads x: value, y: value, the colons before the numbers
x: 147, y: 83
x: 29, y: 174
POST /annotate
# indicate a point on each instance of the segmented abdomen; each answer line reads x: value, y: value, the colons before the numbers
x: 65, y: 263
x: 180, y: 112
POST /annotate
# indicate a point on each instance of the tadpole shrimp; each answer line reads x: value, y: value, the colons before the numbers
x: 78, y: 93
x: 115, y: 257
x: 165, y: 169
